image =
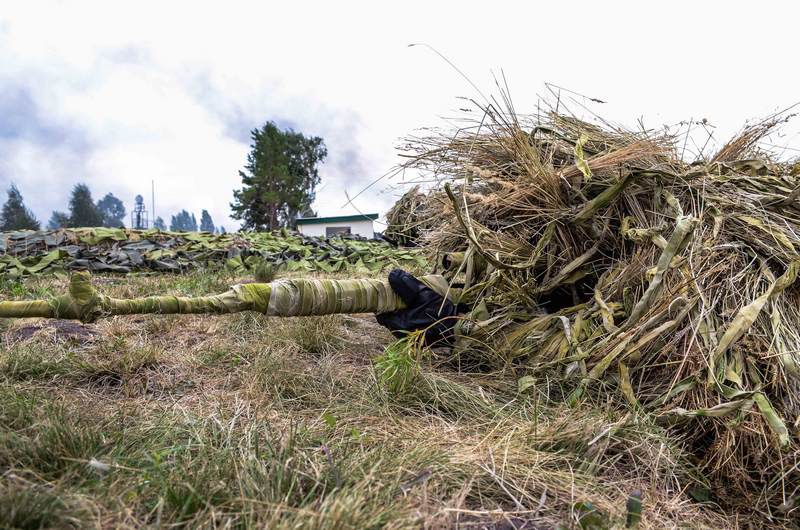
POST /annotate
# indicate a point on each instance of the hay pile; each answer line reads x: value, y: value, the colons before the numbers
x: 405, y: 222
x: 669, y: 286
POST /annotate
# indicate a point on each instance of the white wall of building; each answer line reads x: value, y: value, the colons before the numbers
x: 362, y: 228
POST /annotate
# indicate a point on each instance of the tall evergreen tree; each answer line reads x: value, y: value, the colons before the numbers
x: 183, y: 221
x: 278, y: 179
x: 176, y: 222
x: 82, y: 210
x: 58, y: 220
x: 206, y: 223
x: 159, y: 223
x: 14, y: 215
x: 113, y: 211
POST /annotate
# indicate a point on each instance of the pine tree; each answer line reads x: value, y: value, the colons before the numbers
x: 113, y: 211
x: 14, y: 215
x: 58, y: 220
x: 159, y: 223
x: 183, y: 221
x: 206, y: 223
x: 82, y: 210
x: 176, y: 222
x: 279, y: 178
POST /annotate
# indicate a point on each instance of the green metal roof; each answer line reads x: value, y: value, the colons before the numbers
x: 338, y: 219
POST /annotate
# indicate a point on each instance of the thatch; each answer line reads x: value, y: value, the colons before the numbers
x: 669, y: 285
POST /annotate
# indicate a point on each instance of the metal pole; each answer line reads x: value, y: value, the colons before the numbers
x: 153, y: 202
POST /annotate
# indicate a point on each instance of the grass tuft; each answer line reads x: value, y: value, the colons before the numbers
x: 32, y: 508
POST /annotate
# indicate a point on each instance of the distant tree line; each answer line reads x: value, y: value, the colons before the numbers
x: 83, y: 211
x: 278, y: 185
x: 184, y: 221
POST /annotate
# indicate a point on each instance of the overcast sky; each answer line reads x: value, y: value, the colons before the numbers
x: 166, y: 91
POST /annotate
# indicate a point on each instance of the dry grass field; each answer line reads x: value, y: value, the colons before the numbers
x: 242, y: 421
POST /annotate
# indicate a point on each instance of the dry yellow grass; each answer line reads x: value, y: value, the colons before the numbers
x: 244, y: 421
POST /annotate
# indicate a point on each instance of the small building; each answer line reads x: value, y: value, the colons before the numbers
x: 359, y: 225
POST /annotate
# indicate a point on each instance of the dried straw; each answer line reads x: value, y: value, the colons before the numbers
x: 670, y: 284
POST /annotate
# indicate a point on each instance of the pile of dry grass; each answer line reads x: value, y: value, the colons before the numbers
x: 669, y: 285
x: 404, y: 221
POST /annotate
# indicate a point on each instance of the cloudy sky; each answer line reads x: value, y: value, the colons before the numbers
x: 118, y: 94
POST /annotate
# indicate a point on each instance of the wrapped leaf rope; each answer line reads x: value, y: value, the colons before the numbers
x: 282, y: 298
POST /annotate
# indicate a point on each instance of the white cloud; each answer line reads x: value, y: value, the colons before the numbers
x: 168, y: 91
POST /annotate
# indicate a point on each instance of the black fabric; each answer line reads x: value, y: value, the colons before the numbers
x: 425, y: 310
